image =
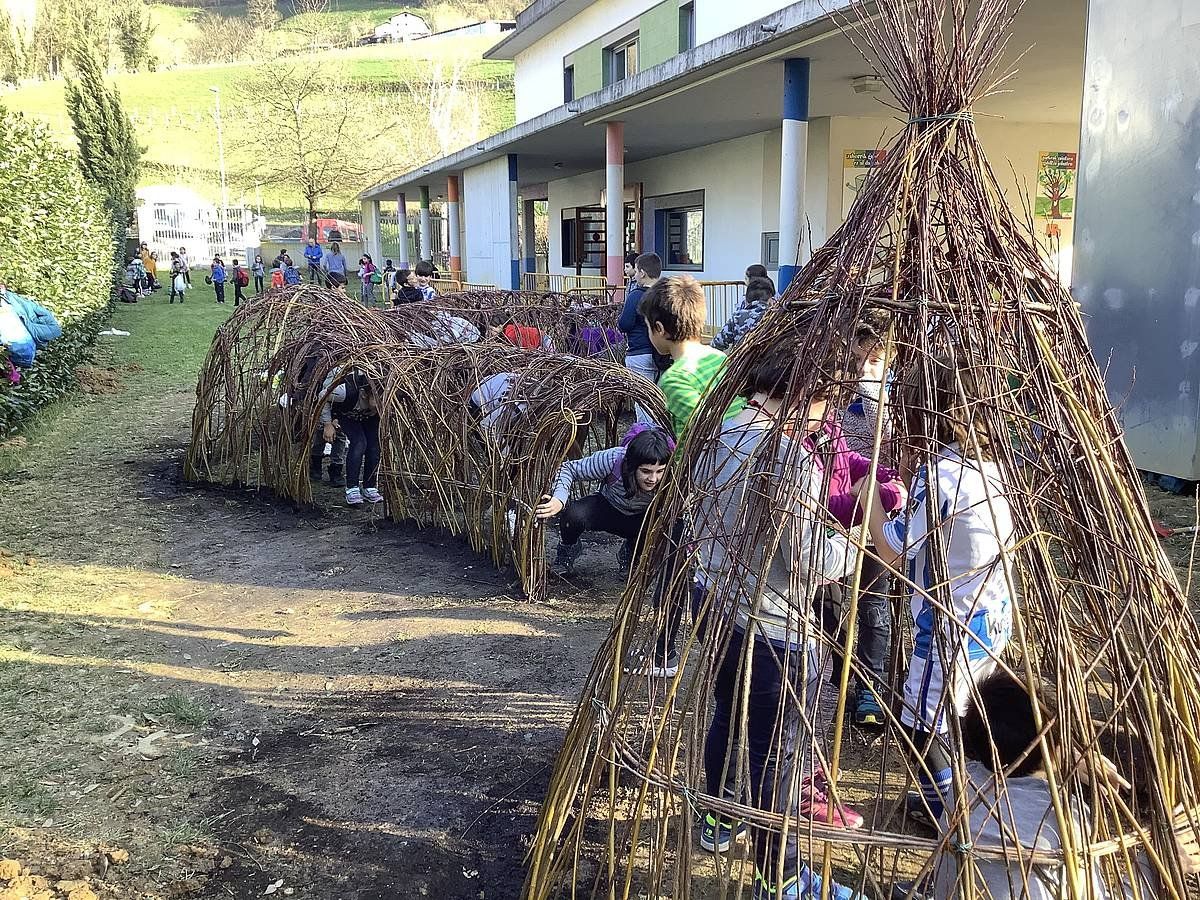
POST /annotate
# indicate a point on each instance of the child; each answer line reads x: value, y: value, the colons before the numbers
x: 526, y: 337
x: 408, y: 289
x: 337, y: 283
x: 858, y: 427
x: 639, y: 352
x: 178, y: 282
x: 240, y: 280
x: 629, y: 476
x: 674, y: 310
x: 260, y: 274
x: 967, y: 495
x: 187, y: 266
x: 217, y: 276
x: 425, y: 273
x: 389, y: 277
x: 760, y: 291
x: 761, y: 591
x: 291, y: 275
x: 351, y: 407
x: 366, y: 277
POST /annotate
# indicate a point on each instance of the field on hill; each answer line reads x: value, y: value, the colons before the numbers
x: 173, y: 108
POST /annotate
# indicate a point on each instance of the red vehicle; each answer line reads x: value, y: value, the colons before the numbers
x: 330, y: 230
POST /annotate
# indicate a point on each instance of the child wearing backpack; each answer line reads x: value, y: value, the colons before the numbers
x: 241, y: 278
x: 629, y: 477
x: 291, y: 275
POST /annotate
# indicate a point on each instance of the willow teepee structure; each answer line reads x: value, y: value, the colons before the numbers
x: 993, y: 390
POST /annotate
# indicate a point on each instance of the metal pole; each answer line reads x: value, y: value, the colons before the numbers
x: 793, y: 161
x: 224, y: 186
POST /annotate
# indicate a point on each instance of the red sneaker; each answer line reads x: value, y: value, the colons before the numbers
x: 816, y: 805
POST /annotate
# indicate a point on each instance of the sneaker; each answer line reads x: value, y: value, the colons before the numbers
x: 816, y: 805
x: 372, y: 495
x: 354, y: 496
x: 625, y: 557
x: 717, y: 836
x: 916, y: 809
x: 564, y: 559
x: 868, y: 712
x: 804, y: 885
x: 912, y: 890
x: 656, y: 667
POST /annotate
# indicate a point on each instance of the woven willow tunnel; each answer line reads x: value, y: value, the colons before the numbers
x: 985, y: 344
x: 260, y: 392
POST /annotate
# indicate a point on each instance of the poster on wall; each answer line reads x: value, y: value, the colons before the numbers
x: 1056, y: 185
x: 857, y: 168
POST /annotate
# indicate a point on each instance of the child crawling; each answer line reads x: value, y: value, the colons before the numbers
x: 629, y: 477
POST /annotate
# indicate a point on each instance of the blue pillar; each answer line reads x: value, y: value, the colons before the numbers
x: 794, y: 159
x: 514, y: 233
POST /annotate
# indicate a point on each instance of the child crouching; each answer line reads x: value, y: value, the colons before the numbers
x: 629, y: 477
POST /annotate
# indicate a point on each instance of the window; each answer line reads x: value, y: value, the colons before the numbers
x: 770, y: 250
x: 620, y: 60
x: 583, y: 244
x: 687, y: 27
x: 681, y: 231
x: 568, y: 84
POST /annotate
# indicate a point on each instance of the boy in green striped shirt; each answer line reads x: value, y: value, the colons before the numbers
x: 674, y: 310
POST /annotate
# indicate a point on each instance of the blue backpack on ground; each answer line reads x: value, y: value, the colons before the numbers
x: 16, y: 337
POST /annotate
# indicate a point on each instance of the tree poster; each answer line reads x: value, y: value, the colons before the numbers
x: 857, y: 168
x: 1056, y: 185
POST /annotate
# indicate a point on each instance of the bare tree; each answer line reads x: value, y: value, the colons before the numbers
x: 450, y: 106
x: 307, y: 130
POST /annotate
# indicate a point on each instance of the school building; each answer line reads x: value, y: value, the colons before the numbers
x: 719, y: 134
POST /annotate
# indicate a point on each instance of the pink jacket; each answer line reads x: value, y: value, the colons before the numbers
x: 845, y: 467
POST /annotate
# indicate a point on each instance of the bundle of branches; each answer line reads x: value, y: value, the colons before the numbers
x: 274, y: 363
x: 993, y: 384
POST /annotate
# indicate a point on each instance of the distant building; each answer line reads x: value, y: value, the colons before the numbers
x: 491, y: 27
x: 403, y: 27
x: 171, y: 216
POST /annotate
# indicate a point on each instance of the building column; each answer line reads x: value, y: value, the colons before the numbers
x: 791, y: 172
x: 614, y: 213
x: 530, y: 237
x: 372, y: 242
x: 452, y: 217
x: 514, y: 226
x: 426, y: 248
x: 402, y: 260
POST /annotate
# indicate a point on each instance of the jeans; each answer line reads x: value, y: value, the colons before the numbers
x: 314, y: 272
x: 778, y: 736
x: 238, y: 294
x: 367, y: 291
x: 595, y: 513
x: 340, y: 445
x: 219, y: 287
x: 258, y: 284
x: 874, y: 626
x: 364, y: 445
x: 643, y: 364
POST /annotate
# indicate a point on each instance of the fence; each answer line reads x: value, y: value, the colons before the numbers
x: 721, y: 299
x: 542, y: 282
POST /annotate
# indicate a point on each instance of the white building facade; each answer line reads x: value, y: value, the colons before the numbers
x: 722, y: 116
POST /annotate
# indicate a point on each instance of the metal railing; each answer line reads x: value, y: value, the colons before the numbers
x: 722, y: 298
x: 446, y: 285
x: 541, y: 282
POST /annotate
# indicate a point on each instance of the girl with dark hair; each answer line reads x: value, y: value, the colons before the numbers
x: 629, y: 478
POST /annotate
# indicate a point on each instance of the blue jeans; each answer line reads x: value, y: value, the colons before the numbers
x: 643, y: 364
x: 363, y: 435
x: 777, y: 739
x: 874, y: 626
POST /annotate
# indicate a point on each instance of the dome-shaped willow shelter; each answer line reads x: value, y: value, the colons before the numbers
x: 1024, y: 547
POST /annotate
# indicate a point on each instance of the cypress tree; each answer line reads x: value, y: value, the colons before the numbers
x: 109, y: 154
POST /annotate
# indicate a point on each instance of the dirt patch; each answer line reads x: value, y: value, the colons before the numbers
x: 98, y: 381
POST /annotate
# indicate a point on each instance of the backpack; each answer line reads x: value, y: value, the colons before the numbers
x: 242, y: 278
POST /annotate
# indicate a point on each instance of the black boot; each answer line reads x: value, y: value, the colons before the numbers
x: 337, y: 475
x: 314, y: 468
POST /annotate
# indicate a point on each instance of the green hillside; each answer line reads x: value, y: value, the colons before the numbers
x: 173, y: 108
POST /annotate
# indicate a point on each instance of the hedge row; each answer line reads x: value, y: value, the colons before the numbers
x: 59, y: 251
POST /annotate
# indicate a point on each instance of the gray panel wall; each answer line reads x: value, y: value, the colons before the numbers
x: 1137, y: 235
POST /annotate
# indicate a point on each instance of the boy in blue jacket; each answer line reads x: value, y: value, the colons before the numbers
x: 639, y: 352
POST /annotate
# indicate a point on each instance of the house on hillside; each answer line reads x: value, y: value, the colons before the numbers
x: 719, y: 134
x: 492, y: 27
x: 405, y: 26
